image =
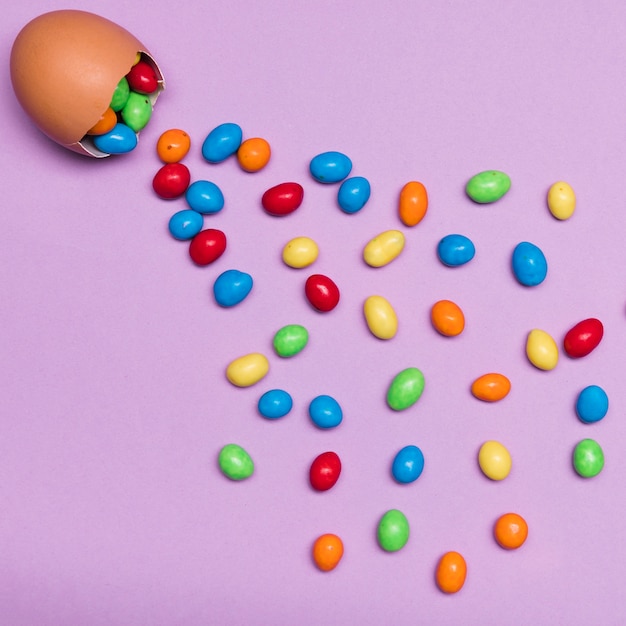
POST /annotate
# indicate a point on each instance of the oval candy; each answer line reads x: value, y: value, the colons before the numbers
x: 381, y: 319
x: 405, y: 389
x: 408, y: 464
x: 561, y: 200
x: 247, y: 370
x: 300, y: 252
x: 137, y: 111
x: 494, y: 460
x: 185, y: 224
x: 393, y: 531
x: 330, y: 167
x: 282, y: 199
x: 207, y: 246
x: 232, y: 287
x: 583, y: 337
x: 488, y: 186
x: 254, y: 154
x: 353, y: 194
x: 327, y: 552
x: 142, y: 78
x: 106, y: 123
x: 491, y: 387
x: 205, y: 197
x: 529, y: 264
x: 324, y: 471
x: 451, y: 572
x: 171, y: 180
x: 588, y: 458
x: 290, y: 340
x: 592, y: 404
x: 119, y: 140
x: 173, y: 145
x: 274, y: 404
x: 541, y: 350
x: 413, y: 203
x: 447, y: 318
x: 384, y: 248
x: 321, y: 292
x: 223, y: 141
x: 455, y: 250
x: 120, y: 94
x: 325, y: 412
x: 235, y: 462
x: 510, y: 531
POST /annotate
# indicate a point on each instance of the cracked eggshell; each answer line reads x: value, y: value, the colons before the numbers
x: 65, y: 66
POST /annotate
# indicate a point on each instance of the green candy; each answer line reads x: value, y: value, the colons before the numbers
x: 120, y: 95
x: 488, y: 186
x: 235, y: 462
x: 588, y: 458
x: 290, y: 340
x: 393, y: 531
x: 137, y: 111
x: 405, y: 389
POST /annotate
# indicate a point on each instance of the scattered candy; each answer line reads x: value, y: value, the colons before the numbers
x: 173, y: 145
x: 353, y: 194
x: 247, y: 370
x: 494, y: 460
x: 451, y: 572
x: 330, y: 167
x: 405, y: 389
x: 223, y: 141
x: 488, y: 186
x: 383, y: 248
x: 185, y: 224
x: 393, y: 531
x: 447, y: 318
x: 205, y: 197
x: 232, y: 287
x: 327, y: 552
x: 274, y: 404
x: 413, y: 203
x: 584, y: 337
x: 510, y: 531
x: 408, y: 464
x: 592, y: 404
x: 283, y: 199
x: 119, y: 140
x: 380, y: 317
x: 542, y: 350
x: 561, y: 200
x: 254, y: 154
x: 171, y: 181
x: 588, y: 458
x: 325, y: 470
x: 325, y: 412
x: 529, y: 264
x: 207, y: 246
x: 290, y: 340
x: 455, y: 250
x: 491, y: 387
x: 321, y: 292
x: 137, y: 111
x: 235, y: 462
x: 300, y: 252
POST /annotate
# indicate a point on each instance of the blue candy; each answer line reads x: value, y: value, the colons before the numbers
x: 592, y: 404
x: 330, y: 167
x: 231, y: 287
x: 205, y: 197
x: 221, y: 142
x: 408, y: 464
x: 353, y: 194
x: 529, y: 264
x: 325, y: 412
x: 185, y: 224
x: 455, y: 250
x: 274, y: 404
x: 119, y: 140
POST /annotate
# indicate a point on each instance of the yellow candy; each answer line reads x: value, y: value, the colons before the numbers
x: 380, y: 317
x: 494, y: 460
x: 300, y: 252
x: 542, y: 350
x: 248, y: 369
x: 561, y: 200
x: 384, y: 248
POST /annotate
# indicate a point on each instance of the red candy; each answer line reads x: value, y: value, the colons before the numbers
x: 325, y: 470
x: 142, y: 78
x: 171, y: 181
x: 321, y: 292
x: 582, y: 338
x: 283, y: 199
x: 207, y: 246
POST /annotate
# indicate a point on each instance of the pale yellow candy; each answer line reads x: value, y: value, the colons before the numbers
x: 561, y: 200
x: 248, y: 369
x: 384, y: 248
x: 542, y: 350
x: 494, y: 460
x: 300, y: 252
x: 380, y: 317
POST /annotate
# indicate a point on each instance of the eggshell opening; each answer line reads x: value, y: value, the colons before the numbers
x: 65, y: 66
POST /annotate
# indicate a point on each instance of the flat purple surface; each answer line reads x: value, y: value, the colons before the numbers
x: 115, y: 402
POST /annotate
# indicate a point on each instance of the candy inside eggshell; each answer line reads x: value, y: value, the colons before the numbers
x: 65, y: 66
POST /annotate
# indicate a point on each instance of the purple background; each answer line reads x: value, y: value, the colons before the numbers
x: 114, y: 399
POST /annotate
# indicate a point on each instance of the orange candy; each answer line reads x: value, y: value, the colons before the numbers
x: 451, y: 572
x: 447, y: 318
x: 104, y: 124
x: 510, y: 531
x: 254, y: 154
x: 173, y: 145
x: 327, y: 552
x: 491, y: 387
x: 413, y: 203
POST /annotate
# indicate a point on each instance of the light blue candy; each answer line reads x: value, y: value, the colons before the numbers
x: 592, y: 404
x: 353, y: 194
x: 185, y: 224
x: 205, y: 197
x: 221, y: 142
x: 330, y: 167
x: 231, y: 287
x: 408, y: 464
x: 325, y: 412
x: 274, y: 404
x: 119, y: 140
x: 529, y: 264
x: 455, y: 250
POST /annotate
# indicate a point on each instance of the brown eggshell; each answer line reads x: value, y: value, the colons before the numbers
x: 65, y: 66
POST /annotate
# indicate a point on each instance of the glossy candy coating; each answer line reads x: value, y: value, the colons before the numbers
x: 510, y: 531
x: 330, y: 167
x: 324, y: 471
x: 413, y: 203
x: 254, y: 154
x: 171, y: 180
x: 142, y: 78
x: 494, y: 460
x: 583, y: 337
x: 588, y: 458
x: 491, y: 387
x: 105, y: 124
x: 408, y: 464
x: 380, y: 317
x: 384, y: 248
x: 488, y: 186
x: 541, y: 350
x: 274, y: 404
x: 455, y: 250
x: 290, y: 340
x: 325, y: 412
x: 393, y: 531
x: 235, y: 462
x: 223, y: 141
x: 185, y: 224
x: 119, y: 140
x: 282, y: 199
x: 300, y: 252
x: 205, y: 197
x: 529, y: 264
x: 447, y: 318
x: 561, y: 200
x: 173, y: 145
x: 321, y: 292
x: 451, y: 572
x: 247, y: 370
x: 592, y: 404
x: 327, y: 552
x: 405, y: 389
x: 353, y: 194
x: 207, y: 246
x: 232, y: 287
x: 120, y: 94
x: 137, y: 111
